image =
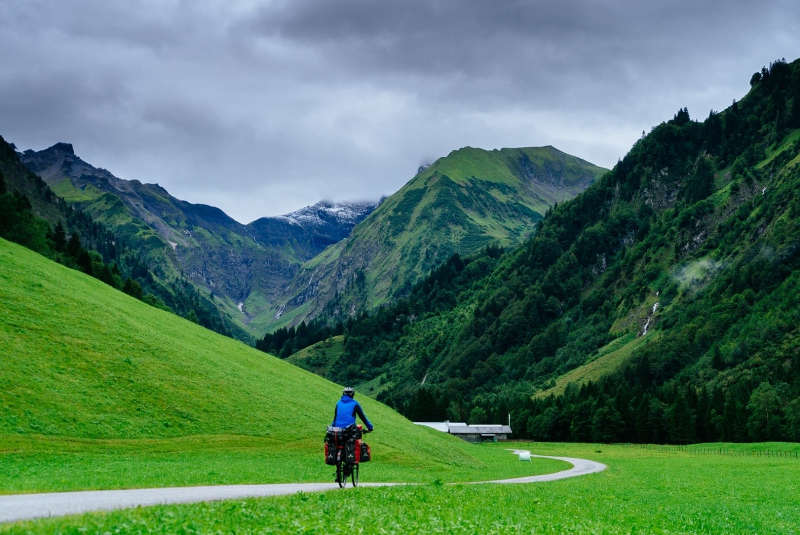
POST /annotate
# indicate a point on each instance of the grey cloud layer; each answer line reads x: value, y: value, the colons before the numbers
x: 262, y: 107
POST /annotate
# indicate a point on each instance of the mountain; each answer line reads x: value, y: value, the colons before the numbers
x: 462, y: 203
x: 311, y: 229
x: 34, y: 216
x: 17, y: 178
x: 241, y: 268
x: 658, y: 305
x: 281, y: 270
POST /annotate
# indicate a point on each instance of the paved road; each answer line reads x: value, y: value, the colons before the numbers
x: 26, y: 506
x: 580, y: 467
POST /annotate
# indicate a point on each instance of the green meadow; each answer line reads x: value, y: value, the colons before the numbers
x: 40, y: 464
x: 644, y: 490
x: 99, y: 390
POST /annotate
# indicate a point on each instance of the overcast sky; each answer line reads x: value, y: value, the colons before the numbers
x: 261, y: 108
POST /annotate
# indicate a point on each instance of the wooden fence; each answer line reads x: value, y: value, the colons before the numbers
x: 710, y: 450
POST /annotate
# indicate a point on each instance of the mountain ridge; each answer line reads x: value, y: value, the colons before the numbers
x: 242, y: 268
x: 33, y: 215
x: 266, y: 273
x: 462, y: 202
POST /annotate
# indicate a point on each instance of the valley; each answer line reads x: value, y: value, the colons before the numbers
x: 242, y: 269
x: 604, y: 313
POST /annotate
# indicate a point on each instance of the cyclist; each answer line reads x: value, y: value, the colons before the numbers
x: 344, y: 415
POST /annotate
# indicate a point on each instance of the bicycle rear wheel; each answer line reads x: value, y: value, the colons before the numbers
x: 341, y: 479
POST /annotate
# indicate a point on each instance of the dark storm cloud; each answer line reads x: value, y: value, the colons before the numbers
x: 262, y: 107
x: 543, y: 50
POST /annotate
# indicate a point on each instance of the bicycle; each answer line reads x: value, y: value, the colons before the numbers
x: 346, y: 454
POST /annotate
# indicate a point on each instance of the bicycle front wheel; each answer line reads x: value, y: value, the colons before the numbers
x: 354, y: 475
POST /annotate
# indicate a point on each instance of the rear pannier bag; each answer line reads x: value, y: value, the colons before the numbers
x: 330, y: 457
x: 333, y: 437
x: 357, y: 450
x: 366, y: 453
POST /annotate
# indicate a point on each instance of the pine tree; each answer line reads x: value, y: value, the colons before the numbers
x: 132, y: 288
x: 85, y: 262
x: 680, y: 420
x: 59, y: 237
x: 74, y: 246
x: 764, y: 422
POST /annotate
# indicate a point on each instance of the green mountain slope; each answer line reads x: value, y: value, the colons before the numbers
x: 34, y: 216
x: 100, y: 389
x: 660, y: 304
x: 460, y: 204
x: 18, y: 178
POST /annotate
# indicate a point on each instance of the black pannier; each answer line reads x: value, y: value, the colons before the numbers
x: 333, y: 437
x: 366, y: 452
x: 346, y: 437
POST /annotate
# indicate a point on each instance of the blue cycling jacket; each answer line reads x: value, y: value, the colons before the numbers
x: 345, y: 413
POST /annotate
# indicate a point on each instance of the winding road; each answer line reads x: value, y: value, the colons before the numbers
x: 14, y: 507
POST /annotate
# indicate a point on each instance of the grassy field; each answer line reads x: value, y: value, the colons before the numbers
x: 41, y: 464
x: 644, y: 490
x: 99, y: 390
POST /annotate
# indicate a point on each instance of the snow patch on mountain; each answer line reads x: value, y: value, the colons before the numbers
x: 327, y: 212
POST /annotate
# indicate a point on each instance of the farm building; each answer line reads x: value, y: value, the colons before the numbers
x: 471, y: 433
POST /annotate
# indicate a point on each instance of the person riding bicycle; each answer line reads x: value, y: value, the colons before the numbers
x: 344, y: 415
x: 343, y: 446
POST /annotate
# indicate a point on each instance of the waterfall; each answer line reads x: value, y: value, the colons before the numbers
x: 649, y: 319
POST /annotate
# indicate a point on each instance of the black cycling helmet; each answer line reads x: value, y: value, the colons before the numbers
x: 349, y: 391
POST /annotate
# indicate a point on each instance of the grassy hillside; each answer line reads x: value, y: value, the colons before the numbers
x: 607, y: 360
x: 643, y: 491
x: 100, y: 390
x: 460, y: 204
